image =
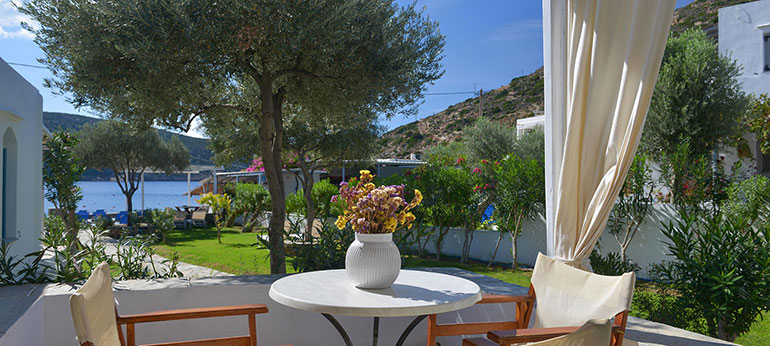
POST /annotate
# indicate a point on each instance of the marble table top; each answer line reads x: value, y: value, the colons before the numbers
x: 414, y: 293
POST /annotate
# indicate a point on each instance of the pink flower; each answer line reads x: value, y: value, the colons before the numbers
x: 477, y: 170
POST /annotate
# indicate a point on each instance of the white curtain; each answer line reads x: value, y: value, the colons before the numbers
x: 602, y: 61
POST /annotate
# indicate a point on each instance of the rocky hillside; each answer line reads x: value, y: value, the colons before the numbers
x: 521, y: 98
x: 700, y: 14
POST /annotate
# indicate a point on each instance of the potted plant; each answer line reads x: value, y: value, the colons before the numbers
x: 374, y: 213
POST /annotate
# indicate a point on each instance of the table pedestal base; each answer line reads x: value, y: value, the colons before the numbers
x: 375, y: 330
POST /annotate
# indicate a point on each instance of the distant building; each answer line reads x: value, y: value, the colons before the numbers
x: 525, y: 124
x: 21, y: 162
x: 744, y: 34
x: 218, y: 180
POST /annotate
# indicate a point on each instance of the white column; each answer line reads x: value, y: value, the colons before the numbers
x: 189, y: 191
x: 555, y: 72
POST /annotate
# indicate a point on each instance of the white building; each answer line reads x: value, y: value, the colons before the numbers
x: 744, y: 34
x: 21, y: 166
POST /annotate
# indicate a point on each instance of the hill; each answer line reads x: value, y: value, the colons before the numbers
x: 521, y: 98
x: 198, y: 147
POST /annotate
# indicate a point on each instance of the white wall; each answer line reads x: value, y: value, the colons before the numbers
x: 21, y: 113
x: 646, y: 248
x: 741, y: 31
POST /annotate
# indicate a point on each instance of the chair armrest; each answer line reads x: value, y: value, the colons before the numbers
x: 515, y: 336
x: 183, y: 314
x: 501, y: 299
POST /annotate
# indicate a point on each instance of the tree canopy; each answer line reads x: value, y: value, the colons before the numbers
x: 697, y: 98
x: 129, y: 151
x: 170, y: 62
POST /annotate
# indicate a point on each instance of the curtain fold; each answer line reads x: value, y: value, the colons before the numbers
x: 613, y: 53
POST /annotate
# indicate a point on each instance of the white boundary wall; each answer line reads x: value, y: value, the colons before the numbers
x: 646, y: 248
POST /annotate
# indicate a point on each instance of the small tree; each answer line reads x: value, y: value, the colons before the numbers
x: 250, y: 201
x: 61, y: 171
x: 448, y: 196
x: 520, y: 195
x: 220, y: 206
x: 128, y: 151
x: 162, y: 221
x: 486, y: 140
x: 633, y: 205
x: 758, y: 121
x: 697, y: 98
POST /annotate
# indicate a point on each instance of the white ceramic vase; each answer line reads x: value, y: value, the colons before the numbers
x: 373, y: 261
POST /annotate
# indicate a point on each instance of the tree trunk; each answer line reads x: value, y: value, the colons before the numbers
x: 514, y: 235
x: 219, y: 234
x: 72, y: 226
x: 467, y: 244
x: 497, y: 246
x: 440, y: 240
x: 307, y: 189
x: 270, y: 142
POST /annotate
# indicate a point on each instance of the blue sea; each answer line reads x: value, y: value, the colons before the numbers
x: 157, y: 195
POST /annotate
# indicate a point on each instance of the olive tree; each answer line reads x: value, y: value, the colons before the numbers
x: 129, y: 151
x: 171, y: 62
x: 697, y: 98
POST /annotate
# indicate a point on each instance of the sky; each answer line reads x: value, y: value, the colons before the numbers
x: 488, y: 43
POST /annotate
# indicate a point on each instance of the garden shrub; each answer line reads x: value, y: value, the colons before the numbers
x: 668, y: 309
x: 722, y: 266
x: 56, y: 263
x: 611, y: 264
x: 249, y: 201
x: 162, y: 221
x: 327, y: 251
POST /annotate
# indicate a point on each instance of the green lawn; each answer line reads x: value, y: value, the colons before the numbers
x: 238, y: 255
x: 235, y: 255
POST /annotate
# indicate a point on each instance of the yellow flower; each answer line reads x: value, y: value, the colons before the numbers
x: 417, y: 196
x: 390, y: 224
x: 401, y: 217
x: 341, y: 221
x: 410, y: 217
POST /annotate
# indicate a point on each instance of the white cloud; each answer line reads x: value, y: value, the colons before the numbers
x: 11, y: 19
x: 516, y: 30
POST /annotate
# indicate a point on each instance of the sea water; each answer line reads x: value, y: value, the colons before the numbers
x: 107, y: 195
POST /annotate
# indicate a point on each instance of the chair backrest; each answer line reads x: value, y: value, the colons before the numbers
x: 199, y: 215
x: 122, y: 217
x: 567, y: 296
x: 93, y: 309
x: 592, y: 333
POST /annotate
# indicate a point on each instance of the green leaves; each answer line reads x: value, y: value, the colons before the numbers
x: 697, y: 97
x: 722, y: 267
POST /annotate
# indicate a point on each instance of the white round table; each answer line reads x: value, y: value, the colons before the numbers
x: 415, y: 293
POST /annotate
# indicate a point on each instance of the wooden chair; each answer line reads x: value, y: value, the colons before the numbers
x: 97, y: 322
x: 572, y: 297
x: 592, y: 333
